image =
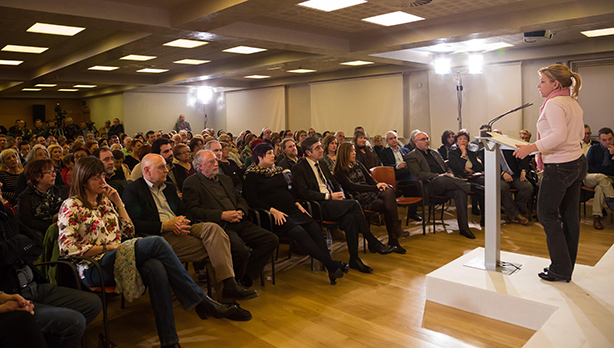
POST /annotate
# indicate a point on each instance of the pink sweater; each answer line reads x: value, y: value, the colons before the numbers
x: 561, y: 127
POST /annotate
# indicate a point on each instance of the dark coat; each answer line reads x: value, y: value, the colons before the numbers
x: 203, y: 204
x: 306, y: 184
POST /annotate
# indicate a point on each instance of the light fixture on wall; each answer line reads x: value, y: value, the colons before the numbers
x: 442, y: 66
x: 200, y: 96
x: 475, y: 63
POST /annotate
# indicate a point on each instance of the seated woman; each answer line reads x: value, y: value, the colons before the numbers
x: 133, y: 158
x: 40, y: 202
x: 265, y: 187
x: 299, y: 136
x: 55, y: 154
x: 465, y: 163
x: 372, y: 195
x: 93, y: 222
x: 329, y: 144
x: 10, y: 169
x: 377, y: 144
x: 364, y: 152
x: 229, y: 166
x: 69, y: 162
x: 183, y: 167
x: 447, y: 140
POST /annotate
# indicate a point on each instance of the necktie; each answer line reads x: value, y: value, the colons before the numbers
x: 323, y: 178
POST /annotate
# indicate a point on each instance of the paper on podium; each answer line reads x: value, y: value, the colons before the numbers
x: 505, y: 140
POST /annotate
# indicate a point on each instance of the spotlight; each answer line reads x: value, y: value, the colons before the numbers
x: 204, y: 95
x: 475, y: 63
x: 442, y: 66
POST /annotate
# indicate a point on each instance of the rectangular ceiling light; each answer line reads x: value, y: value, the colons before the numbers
x: 45, y: 85
x: 244, y: 50
x: 54, y: 29
x: 301, y: 71
x: 24, y: 49
x: 84, y: 86
x: 68, y: 90
x: 357, y: 63
x: 191, y: 61
x: 152, y: 71
x: 330, y: 5
x: 103, y: 68
x: 10, y: 62
x: 137, y: 57
x: 598, y: 32
x: 257, y: 77
x: 184, y: 43
x: 393, y: 18
x: 30, y: 89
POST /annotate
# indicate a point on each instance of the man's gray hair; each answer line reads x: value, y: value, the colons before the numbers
x: 208, y: 144
x: 283, y: 143
x: 391, y: 132
x: 415, y: 132
x: 198, y: 159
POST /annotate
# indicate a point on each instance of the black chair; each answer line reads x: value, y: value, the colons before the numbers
x: 256, y: 215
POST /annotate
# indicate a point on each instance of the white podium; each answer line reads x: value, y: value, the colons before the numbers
x: 492, y: 237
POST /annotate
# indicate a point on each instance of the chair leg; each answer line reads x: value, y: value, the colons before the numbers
x: 122, y: 303
x: 273, y: 271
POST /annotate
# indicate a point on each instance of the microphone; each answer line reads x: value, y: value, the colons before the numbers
x: 484, y: 134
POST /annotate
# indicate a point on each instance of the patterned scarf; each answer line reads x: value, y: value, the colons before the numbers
x: 555, y: 93
x: 268, y: 172
x: 127, y: 277
x: 50, y: 204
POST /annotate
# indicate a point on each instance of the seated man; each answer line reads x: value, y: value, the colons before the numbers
x: 116, y: 180
x: 600, y: 175
x: 314, y: 184
x: 215, y: 147
x: 587, y: 142
x: 211, y: 197
x: 62, y: 313
x: 289, y: 155
x: 155, y: 208
x: 426, y: 164
x: 514, y: 175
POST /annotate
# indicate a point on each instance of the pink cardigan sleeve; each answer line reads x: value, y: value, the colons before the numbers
x: 556, y: 131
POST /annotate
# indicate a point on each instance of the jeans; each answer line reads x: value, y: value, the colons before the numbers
x: 62, y: 313
x: 159, y: 267
x: 557, y: 208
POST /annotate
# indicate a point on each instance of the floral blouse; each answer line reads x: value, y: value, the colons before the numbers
x: 81, y: 228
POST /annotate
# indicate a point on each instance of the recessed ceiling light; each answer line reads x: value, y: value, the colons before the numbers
x: 24, y: 49
x: 393, y: 18
x: 30, y: 89
x: 68, y: 90
x: 137, y: 57
x: 244, y: 50
x: 357, y: 63
x: 103, y: 68
x: 257, y: 77
x: 152, y: 71
x: 300, y: 71
x: 45, y: 85
x: 54, y: 29
x: 184, y: 43
x: 274, y: 68
x: 191, y: 61
x: 598, y: 32
x: 330, y: 5
x: 10, y: 62
x: 84, y: 86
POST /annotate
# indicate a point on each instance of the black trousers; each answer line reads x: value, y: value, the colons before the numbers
x: 251, y: 248
x: 457, y: 190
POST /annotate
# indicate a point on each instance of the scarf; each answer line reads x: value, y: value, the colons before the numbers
x: 268, y: 172
x: 127, y: 277
x: 50, y: 204
x: 555, y: 93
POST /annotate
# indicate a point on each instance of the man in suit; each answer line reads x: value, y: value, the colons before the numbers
x: 216, y: 147
x: 426, y: 164
x: 182, y: 124
x: 514, y: 175
x: 211, y: 197
x: 314, y: 184
x: 155, y: 208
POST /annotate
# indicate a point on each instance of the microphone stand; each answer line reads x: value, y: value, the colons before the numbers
x: 484, y: 133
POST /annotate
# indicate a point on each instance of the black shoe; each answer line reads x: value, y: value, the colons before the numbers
x: 399, y: 249
x: 414, y: 216
x: 209, y: 307
x: 176, y: 345
x: 246, y: 281
x: 477, y: 188
x: 551, y: 277
x: 404, y: 234
x: 475, y: 211
x: 237, y: 293
x: 381, y: 248
x: 334, y: 275
x: 467, y: 233
x: 344, y: 267
x: 359, y: 266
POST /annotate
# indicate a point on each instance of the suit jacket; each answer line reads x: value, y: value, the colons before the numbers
x: 419, y: 166
x: 179, y: 126
x: 305, y: 182
x: 142, y: 208
x: 457, y: 164
x: 515, y: 164
x: 387, y: 156
x: 203, y: 204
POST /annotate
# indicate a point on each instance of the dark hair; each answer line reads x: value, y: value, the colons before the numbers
x: 326, y: 142
x: 21, y: 143
x: 307, y: 144
x: 157, y: 144
x: 144, y: 150
x: 260, y: 151
x: 118, y: 155
x: 605, y: 130
x: 444, y: 137
x: 149, y: 133
x: 343, y: 157
x: 35, y: 169
x: 97, y: 152
x: 460, y: 133
x: 194, y: 142
x: 85, y: 169
x: 358, y: 134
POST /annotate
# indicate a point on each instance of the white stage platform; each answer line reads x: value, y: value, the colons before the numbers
x: 575, y: 314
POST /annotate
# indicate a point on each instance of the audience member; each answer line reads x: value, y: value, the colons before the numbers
x: 600, y: 175
x: 289, y: 155
x: 394, y: 156
x: 447, y: 140
x: 364, y: 152
x: 378, y: 144
x: 10, y: 169
x: 587, y: 142
x: 330, y: 144
x: 181, y: 124
x: 183, y: 167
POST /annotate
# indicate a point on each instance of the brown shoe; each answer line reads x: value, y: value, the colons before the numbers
x: 522, y: 220
x: 597, y: 222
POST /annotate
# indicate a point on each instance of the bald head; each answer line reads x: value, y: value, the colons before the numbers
x: 154, y: 168
x: 421, y: 139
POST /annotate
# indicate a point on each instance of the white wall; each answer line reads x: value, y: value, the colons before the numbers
x: 106, y: 108
x: 298, y: 107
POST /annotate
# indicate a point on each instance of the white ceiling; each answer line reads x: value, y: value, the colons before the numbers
x: 294, y: 36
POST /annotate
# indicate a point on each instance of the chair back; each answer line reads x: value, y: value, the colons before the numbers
x: 385, y: 174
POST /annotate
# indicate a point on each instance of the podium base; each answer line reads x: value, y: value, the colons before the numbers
x: 507, y: 268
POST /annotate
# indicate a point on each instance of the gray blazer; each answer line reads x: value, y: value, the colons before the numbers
x: 419, y: 167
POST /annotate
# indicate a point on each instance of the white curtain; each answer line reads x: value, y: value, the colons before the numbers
x: 255, y: 109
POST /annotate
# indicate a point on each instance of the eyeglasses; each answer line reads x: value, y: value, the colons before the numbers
x: 50, y: 172
x: 422, y: 139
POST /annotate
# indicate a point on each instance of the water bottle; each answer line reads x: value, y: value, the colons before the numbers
x: 329, y: 242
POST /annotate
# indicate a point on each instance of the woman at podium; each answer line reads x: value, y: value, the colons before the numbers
x: 560, y: 128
